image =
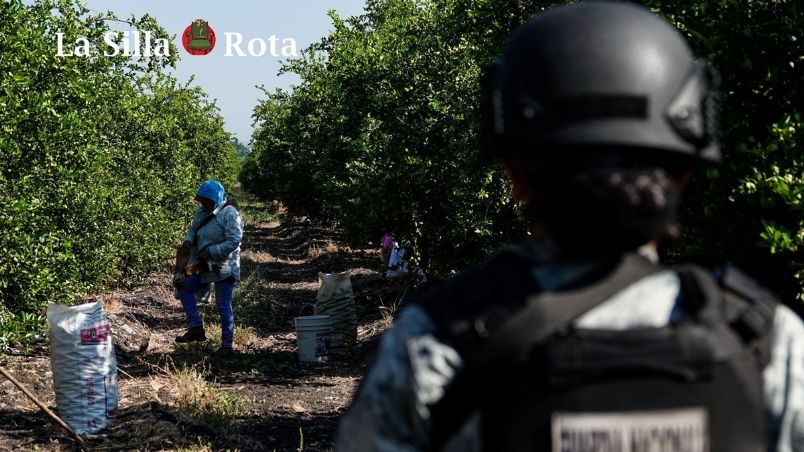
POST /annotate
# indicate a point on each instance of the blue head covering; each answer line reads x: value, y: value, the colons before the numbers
x: 213, y: 190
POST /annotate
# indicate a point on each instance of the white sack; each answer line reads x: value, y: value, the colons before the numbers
x: 336, y: 299
x: 84, y: 366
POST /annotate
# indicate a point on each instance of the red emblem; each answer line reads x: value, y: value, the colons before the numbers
x: 198, y: 38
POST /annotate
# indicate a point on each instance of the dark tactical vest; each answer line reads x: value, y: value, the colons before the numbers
x: 542, y: 385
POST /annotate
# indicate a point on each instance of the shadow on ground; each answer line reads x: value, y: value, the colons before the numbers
x: 291, y: 405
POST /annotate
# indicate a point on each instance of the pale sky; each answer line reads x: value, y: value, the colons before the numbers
x: 231, y: 80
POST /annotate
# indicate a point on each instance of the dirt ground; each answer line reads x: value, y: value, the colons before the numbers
x: 265, y: 399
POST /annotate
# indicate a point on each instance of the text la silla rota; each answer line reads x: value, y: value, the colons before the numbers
x: 137, y: 43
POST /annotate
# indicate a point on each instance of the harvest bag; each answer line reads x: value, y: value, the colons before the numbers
x: 84, y: 366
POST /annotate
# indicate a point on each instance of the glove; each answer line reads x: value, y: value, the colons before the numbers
x: 178, y: 280
x: 204, y: 254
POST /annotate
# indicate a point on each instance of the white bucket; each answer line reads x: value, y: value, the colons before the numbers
x: 313, y: 337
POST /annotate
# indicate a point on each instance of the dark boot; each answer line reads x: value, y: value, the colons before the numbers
x: 224, y: 352
x: 193, y: 334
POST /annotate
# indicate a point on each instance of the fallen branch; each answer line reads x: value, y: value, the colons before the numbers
x: 43, y: 407
x: 125, y: 373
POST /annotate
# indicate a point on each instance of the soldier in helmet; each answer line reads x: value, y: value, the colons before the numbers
x: 580, y: 340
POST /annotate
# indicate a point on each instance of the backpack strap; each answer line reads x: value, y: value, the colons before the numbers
x: 750, y: 311
x: 547, y: 313
x: 729, y: 295
x: 543, y: 315
x: 475, y: 303
x: 471, y: 307
x: 700, y: 295
x: 209, y: 218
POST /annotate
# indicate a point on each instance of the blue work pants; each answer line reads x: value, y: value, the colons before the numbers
x: 223, y: 297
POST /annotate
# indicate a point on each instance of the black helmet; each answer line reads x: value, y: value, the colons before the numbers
x: 600, y: 74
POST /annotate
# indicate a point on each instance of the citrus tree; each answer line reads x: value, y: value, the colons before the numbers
x: 380, y: 134
x: 100, y: 157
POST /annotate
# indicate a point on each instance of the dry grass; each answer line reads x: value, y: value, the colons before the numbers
x: 243, y: 336
x: 368, y: 331
x: 112, y: 304
x: 331, y: 247
x: 260, y: 257
x: 251, y: 303
x: 201, y: 446
x: 294, y: 406
x: 315, y: 251
x: 195, y: 400
x: 140, y: 431
x: 253, y: 211
x: 388, y: 311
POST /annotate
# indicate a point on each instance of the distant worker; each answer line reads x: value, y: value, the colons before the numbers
x: 212, y: 247
x: 579, y: 340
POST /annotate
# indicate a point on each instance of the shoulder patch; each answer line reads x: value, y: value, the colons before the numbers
x: 434, y: 365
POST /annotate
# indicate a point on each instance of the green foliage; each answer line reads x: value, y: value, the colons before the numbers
x: 380, y: 133
x: 751, y: 209
x: 242, y: 149
x: 23, y: 329
x: 101, y: 156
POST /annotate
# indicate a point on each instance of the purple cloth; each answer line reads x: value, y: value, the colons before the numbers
x: 387, y: 241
